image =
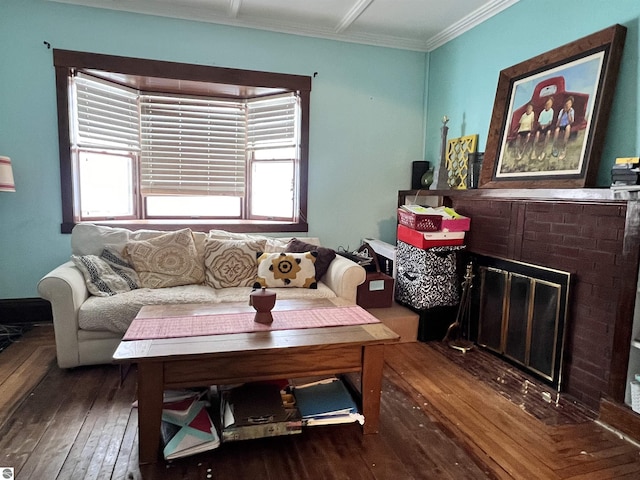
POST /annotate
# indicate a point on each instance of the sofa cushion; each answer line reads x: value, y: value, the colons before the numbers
x: 231, y: 263
x: 325, y: 255
x: 166, y: 260
x: 107, y: 274
x: 287, y: 270
x: 116, y: 313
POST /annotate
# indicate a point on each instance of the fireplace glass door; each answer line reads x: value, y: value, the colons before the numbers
x: 521, y: 315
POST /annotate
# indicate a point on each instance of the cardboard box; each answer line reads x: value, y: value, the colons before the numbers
x: 422, y: 291
x: 428, y: 261
x: 429, y: 239
x: 400, y: 319
x: 376, y: 291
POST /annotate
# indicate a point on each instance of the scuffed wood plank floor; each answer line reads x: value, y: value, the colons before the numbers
x: 23, y: 368
x: 437, y: 422
x: 500, y: 434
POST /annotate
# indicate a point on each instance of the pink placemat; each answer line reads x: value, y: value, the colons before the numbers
x: 193, y: 326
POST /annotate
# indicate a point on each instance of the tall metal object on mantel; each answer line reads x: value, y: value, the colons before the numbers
x: 443, y: 182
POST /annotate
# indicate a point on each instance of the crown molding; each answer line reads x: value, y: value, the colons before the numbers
x: 197, y: 13
x: 467, y: 23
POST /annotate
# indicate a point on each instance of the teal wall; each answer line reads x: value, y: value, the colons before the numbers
x: 463, y: 73
x: 367, y: 119
x: 370, y: 117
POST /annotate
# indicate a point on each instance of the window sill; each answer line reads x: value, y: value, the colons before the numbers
x: 238, y: 226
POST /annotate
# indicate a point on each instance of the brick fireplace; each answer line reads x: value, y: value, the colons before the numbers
x: 594, y: 234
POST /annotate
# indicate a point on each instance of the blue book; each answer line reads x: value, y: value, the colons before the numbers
x: 324, y: 399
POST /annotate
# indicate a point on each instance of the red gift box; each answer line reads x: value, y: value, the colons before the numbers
x: 429, y: 239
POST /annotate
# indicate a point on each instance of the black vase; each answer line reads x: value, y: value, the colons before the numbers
x: 418, y: 169
x: 474, y: 166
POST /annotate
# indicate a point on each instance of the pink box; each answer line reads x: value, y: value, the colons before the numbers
x: 422, y: 222
x: 462, y: 224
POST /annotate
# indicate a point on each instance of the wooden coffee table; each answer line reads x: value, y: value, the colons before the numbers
x: 245, y: 357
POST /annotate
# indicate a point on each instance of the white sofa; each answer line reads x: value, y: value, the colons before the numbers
x: 88, y: 328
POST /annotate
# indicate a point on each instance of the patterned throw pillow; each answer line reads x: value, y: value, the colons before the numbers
x: 231, y: 263
x: 168, y: 260
x: 325, y: 255
x: 107, y: 274
x: 287, y: 270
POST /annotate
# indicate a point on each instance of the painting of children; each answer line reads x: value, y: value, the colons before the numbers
x: 533, y: 124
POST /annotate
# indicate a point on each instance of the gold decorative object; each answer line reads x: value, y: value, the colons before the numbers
x: 457, y: 160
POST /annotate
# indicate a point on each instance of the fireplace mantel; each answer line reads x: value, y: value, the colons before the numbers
x: 534, y: 194
x: 594, y: 233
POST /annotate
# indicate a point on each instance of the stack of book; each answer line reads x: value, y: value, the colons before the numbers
x: 325, y: 401
x: 626, y: 171
x: 252, y: 410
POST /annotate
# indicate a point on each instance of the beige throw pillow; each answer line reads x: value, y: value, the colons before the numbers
x: 167, y: 260
x: 231, y: 263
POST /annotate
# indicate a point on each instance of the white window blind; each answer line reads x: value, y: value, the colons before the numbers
x: 271, y: 122
x: 188, y: 145
x: 107, y: 114
x: 192, y: 145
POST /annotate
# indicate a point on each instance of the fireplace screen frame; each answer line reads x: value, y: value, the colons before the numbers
x: 516, y: 321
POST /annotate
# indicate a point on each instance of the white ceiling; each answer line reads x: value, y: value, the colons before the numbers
x: 421, y: 25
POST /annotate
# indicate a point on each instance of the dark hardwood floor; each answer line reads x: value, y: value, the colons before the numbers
x: 443, y: 417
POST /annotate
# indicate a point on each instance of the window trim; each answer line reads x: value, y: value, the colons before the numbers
x: 65, y: 61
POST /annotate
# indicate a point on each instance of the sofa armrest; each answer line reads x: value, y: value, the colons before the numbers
x: 65, y: 288
x: 343, y: 277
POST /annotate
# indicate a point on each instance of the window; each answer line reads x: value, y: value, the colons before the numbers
x: 196, y: 146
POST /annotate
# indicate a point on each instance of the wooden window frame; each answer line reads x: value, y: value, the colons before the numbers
x: 173, y: 77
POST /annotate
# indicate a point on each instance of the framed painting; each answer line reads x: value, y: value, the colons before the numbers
x: 550, y: 115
